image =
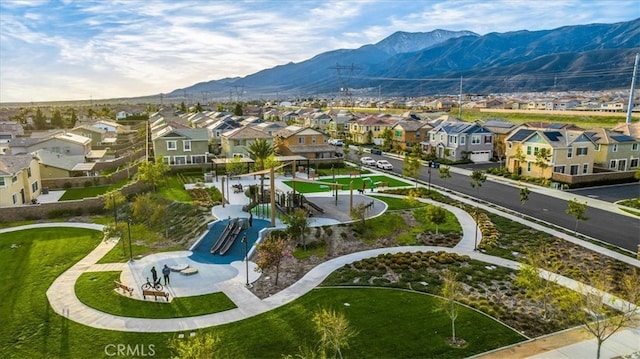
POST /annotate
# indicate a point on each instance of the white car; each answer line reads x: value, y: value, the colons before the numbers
x: 368, y: 161
x: 336, y: 142
x: 384, y: 164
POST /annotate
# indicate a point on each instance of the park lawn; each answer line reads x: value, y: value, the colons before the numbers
x: 96, y: 289
x: 32, y: 330
x: 390, y: 323
x: 88, y: 192
x: 172, y: 189
x: 451, y: 223
x: 396, y: 204
x: 322, y: 184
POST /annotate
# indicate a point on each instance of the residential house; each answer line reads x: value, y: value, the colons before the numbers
x: 109, y: 126
x: 457, y: 140
x: 369, y: 129
x: 630, y: 129
x: 615, y: 151
x: 236, y: 142
x: 406, y: 134
x: 181, y: 146
x: 96, y: 134
x: 338, y: 126
x: 9, y: 130
x: 270, y: 127
x: 56, y: 165
x: 20, y: 181
x: 570, y: 152
x: 318, y: 120
x: 500, y: 128
x: 303, y: 141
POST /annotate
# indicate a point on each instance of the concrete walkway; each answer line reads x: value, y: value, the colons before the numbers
x: 63, y: 300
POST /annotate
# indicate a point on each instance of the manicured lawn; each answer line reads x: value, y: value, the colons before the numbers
x: 173, y: 189
x: 395, y: 204
x: 392, y: 324
x: 87, y: 192
x: 450, y: 225
x: 321, y: 186
x: 96, y: 290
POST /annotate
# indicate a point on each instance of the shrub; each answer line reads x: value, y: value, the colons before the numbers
x: 67, y: 185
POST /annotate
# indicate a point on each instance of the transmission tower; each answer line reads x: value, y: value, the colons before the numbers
x: 344, y: 84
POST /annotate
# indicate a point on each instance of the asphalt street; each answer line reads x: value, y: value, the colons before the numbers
x: 619, y: 230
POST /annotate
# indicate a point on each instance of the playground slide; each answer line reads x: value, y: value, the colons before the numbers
x: 232, y: 225
x: 230, y: 239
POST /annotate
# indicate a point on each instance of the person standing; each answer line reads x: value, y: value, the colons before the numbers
x: 165, y: 273
x: 250, y: 219
x: 154, y: 275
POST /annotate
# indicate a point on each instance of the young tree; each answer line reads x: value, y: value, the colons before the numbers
x: 591, y: 307
x: 477, y: 179
x: 443, y: 172
x: 334, y: 331
x: 271, y: 252
x: 112, y: 200
x: 238, y: 109
x: 542, y: 160
x: 56, y: 119
x: 358, y: 213
x: 451, y: 291
x: 539, y: 288
x: 577, y: 210
x: 152, y: 173
x: 520, y: 157
x: 499, y: 149
x: 387, y: 138
x: 196, y: 347
x: 411, y: 164
x: 436, y: 215
x: 297, y: 225
x: 346, y: 150
x: 524, y: 194
x: 39, y: 120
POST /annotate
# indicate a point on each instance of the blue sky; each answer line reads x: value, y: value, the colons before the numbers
x: 72, y: 50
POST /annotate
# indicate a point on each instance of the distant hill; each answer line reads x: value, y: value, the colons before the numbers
x: 585, y: 57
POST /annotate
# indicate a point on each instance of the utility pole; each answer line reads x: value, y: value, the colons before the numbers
x: 460, y: 100
x: 631, y: 92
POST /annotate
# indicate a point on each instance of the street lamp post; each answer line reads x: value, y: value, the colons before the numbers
x: 115, y: 209
x: 246, y: 257
x: 429, y: 173
x: 130, y: 250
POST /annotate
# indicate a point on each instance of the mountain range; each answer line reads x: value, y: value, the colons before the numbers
x: 584, y: 57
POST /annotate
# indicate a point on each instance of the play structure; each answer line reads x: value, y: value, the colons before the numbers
x: 229, y: 235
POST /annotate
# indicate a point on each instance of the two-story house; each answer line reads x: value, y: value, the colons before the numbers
x: 457, y: 140
x: 370, y: 129
x: 338, y: 126
x: 570, y: 152
x: 180, y: 146
x: 615, y: 151
x: 303, y: 141
x: 235, y: 143
x: 20, y: 181
x: 406, y: 134
x: 56, y: 165
x: 96, y: 134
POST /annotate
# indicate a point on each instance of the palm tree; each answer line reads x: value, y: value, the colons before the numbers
x: 260, y: 150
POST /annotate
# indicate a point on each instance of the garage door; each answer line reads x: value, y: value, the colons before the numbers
x: 480, y: 156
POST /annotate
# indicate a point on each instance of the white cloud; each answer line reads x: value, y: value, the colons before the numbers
x: 129, y: 48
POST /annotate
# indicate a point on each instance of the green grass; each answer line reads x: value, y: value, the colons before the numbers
x: 322, y: 183
x: 383, y: 226
x: 316, y: 248
x: 87, y: 192
x: 96, y: 290
x: 450, y: 225
x: 30, y: 329
x: 172, y: 189
x: 585, y: 121
x: 396, y: 204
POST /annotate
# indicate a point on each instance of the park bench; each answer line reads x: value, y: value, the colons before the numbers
x: 354, y: 174
x: 123, y: 287
x: 382, y: 184
x: 313, y: 176
x: 155, y: 294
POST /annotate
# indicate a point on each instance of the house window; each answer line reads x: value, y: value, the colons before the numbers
x: 417, y: 134
x: 313, y: 139
x: 186, y: 145
x: 529, y: 165
x: 172, y: 146
x: 487, y: 139
x: 569, y: 152
x: 509, y: 145
x: 462, y: 140
x: 166, y: 160
x: 475, y: 139
x: 217, y: 133
x: 301, y: 140
x: 574, y: 170
x: 634, y: 147
x: 376, y: 128
x: 597, y: 147
x: 433, y: 137
x: 581, y: 151
x: 14, y: 197
x: 34, y: 187
x: 585, y: 168
x: 2, y: 183
x: 528, y: 150
x: 633, y: 163
x: 612, y: 164
x: 535, y: 151
x: 558, y: 169
x: 14, y: 179
x: 28, y: 171
x: 615, y: 147
x: 441, y: 137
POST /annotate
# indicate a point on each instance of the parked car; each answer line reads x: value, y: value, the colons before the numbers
x: 384, y: 164
x: 368, y: 161
x: 339, y: 154
x: 336, y: 142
